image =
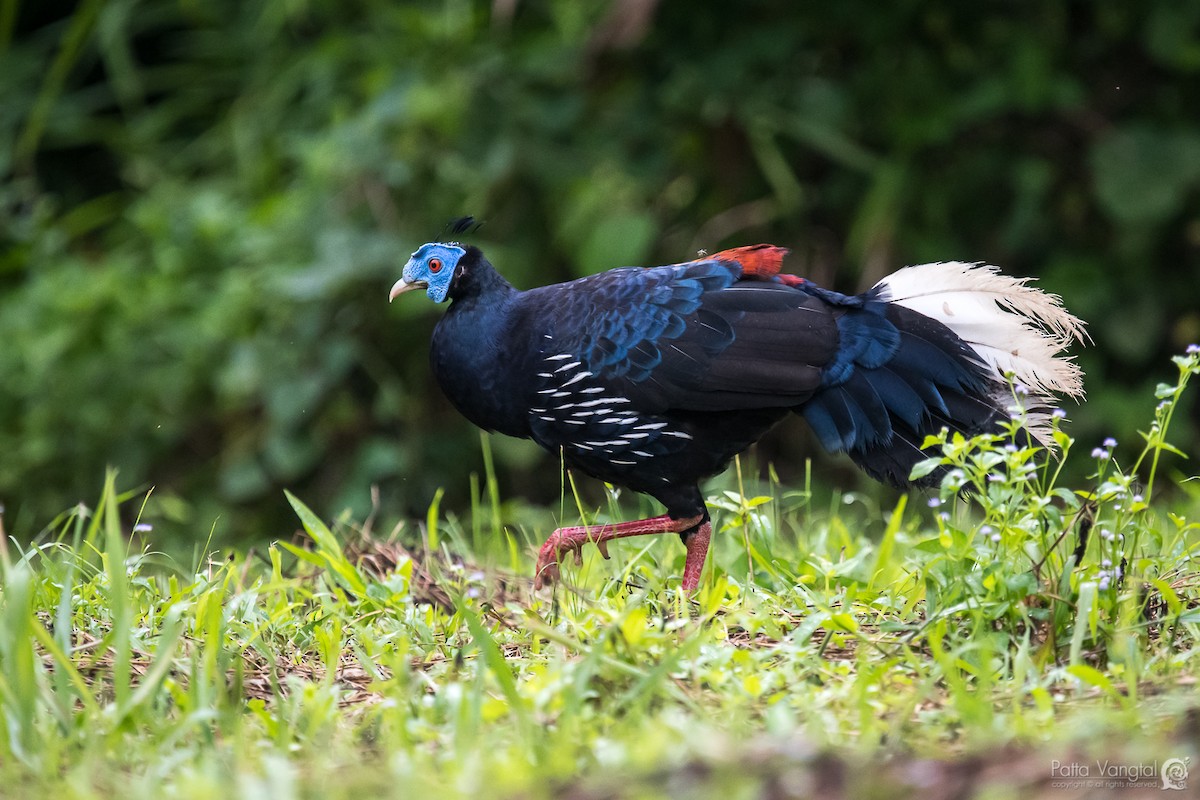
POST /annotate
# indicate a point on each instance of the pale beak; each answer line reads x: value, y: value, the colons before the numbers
x: 401, y: 286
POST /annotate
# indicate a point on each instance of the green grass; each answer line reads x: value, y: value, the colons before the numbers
x: 833, y: 646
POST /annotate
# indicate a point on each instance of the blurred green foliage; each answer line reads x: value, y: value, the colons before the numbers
x: 202, y: 205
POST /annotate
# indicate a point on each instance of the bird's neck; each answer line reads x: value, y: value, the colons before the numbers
x: 473, y: 355
x: 476, y: 279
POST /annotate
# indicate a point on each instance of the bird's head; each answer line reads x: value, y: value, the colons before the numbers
x: 431, y: 268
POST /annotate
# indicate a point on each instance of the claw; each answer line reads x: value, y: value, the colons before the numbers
x: 546, y: 571
x: 546, y: 574
x: 602, y: 546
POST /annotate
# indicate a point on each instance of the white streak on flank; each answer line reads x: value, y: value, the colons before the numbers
x: 642, y: 453
x: 577, y: 378
x: 593, y: 390
x: 546, y: 419
x: 580, y: 446
x: 617, y: 420
x: 603, y: 401
x: 545, y: 375
x: 566, y: 367
x: 547, y: 391
x: 1013, y: 328
x: 559, y: 357
x: 612, y: 443
x: 679, y: 434
x: 635, y: 435
x: 622, y: 463
x: 560, y: 394
x: 547, y: 336
x: 651, y: 426
x: 573, y: 421
x: 586, y: 413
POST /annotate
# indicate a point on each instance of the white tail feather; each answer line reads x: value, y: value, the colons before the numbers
x: 1014, y: 328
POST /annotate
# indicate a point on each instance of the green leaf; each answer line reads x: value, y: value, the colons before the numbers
x: 1093, y: 677
x: 923, y: 468
x: 1084, y: 619
x: 328, y: 546
x: 494, y: 659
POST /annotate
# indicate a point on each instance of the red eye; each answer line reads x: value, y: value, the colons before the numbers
x: 435, y: 265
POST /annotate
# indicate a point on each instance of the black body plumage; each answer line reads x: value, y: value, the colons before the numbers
x: 654, y: 378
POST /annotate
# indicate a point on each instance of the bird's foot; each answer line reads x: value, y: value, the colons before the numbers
x: 561, y: 542
x: 556, y: 546
x: 572, y: 540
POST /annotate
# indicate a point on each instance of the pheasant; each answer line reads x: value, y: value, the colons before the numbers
x: 655, y: 378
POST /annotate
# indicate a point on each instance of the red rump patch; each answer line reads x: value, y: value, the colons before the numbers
x: 790, y: 280
x: 757, y: 260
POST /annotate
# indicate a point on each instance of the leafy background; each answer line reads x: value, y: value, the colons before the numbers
x: 202, y: 206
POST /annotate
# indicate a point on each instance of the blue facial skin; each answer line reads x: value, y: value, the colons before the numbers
x: 431, y: 266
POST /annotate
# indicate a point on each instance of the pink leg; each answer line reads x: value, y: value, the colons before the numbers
x: 566, y: 540
x: 697, y: 550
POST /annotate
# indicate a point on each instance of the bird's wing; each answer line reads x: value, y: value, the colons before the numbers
x: 699, y: 336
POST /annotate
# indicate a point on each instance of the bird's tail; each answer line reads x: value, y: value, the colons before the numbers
x: 962, y: 333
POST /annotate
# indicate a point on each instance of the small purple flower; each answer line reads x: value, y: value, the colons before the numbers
x: 1020, y: 390
x: 1137, y: 498
x: 1100, y: 454
x: 944, y: 516
x: 1058, y: 413
x: 1106, y: 534
x: 995, y: 477
x: 143, y: 527
x: 986, y: 530
x: 1193, y: 349
x: 1010, y: 448
x: 1104, y: 584
x: 1105, y: 563
x: 1109, y: 443
x: 934, y: 502
x: 996, y: 538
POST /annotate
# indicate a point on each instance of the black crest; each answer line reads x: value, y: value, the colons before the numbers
x: 457, y: 227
